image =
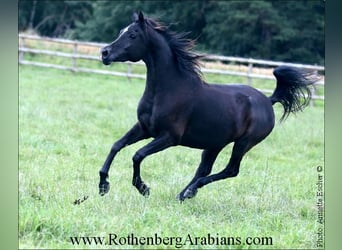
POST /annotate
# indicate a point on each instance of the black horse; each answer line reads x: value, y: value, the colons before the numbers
x: 179, y: 108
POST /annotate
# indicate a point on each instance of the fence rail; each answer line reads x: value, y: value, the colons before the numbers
x: 249, y: 63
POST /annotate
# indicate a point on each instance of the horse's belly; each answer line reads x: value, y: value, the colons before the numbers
x: 208, y: 135
x: 202, y: 143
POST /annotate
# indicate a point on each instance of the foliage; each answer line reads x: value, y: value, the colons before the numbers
x: 276, y: 30
x: 279, y: 30
x: 53, y: 18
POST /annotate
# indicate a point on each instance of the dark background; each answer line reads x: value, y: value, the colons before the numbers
x: 290, y: 31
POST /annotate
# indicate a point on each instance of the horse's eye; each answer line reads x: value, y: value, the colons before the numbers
x: 132, y: 36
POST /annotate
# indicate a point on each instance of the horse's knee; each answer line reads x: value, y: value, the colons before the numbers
x: 137, y: 158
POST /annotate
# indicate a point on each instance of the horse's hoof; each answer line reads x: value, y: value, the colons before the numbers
x: 189, y: 193
x: 180, y: 197
x: 144, y: 190
x: 104, y: 188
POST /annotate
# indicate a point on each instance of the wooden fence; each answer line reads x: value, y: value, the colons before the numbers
x: 77, y: 51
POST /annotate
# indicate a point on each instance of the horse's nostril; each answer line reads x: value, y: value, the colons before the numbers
x: 104, y: 52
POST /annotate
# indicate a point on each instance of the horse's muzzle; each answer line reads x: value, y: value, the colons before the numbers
x: 105, y: 52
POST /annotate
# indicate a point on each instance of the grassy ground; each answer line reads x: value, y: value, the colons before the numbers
x: 67, y: 124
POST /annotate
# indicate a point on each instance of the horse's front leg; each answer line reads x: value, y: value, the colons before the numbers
x: 158, y: 144
x: 133, y: 135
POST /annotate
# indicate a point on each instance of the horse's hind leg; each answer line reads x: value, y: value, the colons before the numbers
x: 205, y: 167
x: 241, y: 146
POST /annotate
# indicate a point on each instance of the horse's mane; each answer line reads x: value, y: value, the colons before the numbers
x: 180, y: 46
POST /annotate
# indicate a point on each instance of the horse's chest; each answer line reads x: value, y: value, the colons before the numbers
x: 147, y: 115
x: 163, y: 113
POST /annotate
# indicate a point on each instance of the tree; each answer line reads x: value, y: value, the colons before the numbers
x: 110, y: 16
x: 301, y: 38
x: 290, y: 31
x: 242, y: 28
x: 52, y: 18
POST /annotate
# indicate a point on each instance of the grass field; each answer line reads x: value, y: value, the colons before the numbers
x: 67, y: 124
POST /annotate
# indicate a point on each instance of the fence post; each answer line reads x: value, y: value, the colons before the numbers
x: 249, y: 72
x: 74, y: 52
x: 313, y: 94
x: 129, y: 70
x: 22, y: 45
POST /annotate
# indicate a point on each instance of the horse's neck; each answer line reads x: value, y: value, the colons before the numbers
x: 159, y: 61
x: 162, y: 71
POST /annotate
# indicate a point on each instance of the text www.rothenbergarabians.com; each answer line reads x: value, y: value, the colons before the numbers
x: 114, y: 239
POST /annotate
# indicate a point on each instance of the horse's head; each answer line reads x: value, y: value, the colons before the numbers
x: 130, y: 45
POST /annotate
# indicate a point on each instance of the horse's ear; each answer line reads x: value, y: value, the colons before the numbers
x: 141, y: 17
x: 138, y: 17
x: 135, y: 17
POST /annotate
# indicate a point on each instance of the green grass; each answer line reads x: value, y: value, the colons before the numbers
x: 67, y: 124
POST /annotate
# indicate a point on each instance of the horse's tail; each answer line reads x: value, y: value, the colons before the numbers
x: 292, y: 89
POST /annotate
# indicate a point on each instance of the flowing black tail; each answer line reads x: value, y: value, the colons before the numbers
x: 292, y: 89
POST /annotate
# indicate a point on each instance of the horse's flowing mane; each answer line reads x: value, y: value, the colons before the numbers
x: 181, y: 47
